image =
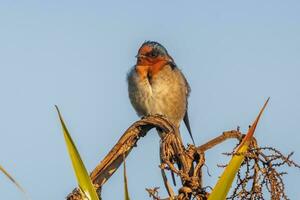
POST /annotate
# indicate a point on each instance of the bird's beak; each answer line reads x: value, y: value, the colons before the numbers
x: 140, y: 56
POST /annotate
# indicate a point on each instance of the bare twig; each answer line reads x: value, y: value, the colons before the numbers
x: 187, y: 162
x: 235, y: 134
x: 112, y: 161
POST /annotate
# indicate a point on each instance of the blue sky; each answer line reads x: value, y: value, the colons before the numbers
x: 76, y: 54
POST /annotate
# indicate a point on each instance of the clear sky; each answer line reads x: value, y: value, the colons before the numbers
x: 76, y: 54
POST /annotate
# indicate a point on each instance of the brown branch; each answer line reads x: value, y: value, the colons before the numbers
x: 187, y: 163
x: 218, y: 140
x: 112, y: 161
x: 185, y: 158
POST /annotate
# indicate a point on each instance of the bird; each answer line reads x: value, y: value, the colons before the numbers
x: 156, y: 86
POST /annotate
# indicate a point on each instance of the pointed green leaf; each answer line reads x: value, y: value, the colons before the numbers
x: 14, y: 181
x: 223, y: 185
x: 125, y: 181
x: 83, y: 179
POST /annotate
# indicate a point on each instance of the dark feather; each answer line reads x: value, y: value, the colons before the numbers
x: 187, y: 124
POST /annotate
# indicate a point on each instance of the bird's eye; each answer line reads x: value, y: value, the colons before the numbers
x: 153, y: 54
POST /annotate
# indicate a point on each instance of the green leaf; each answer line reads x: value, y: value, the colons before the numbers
x: 125, y: 181
x: 223, y: 185
x: 83, y: 179
x: 14, y: 182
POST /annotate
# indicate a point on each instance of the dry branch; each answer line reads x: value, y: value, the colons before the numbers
x: 187, y: 162
x: 172, y: 152
x: 112, y: 161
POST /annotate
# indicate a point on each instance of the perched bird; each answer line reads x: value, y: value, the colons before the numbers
x: 157, y: 86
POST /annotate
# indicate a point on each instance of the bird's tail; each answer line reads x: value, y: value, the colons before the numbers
x: 187, y: 124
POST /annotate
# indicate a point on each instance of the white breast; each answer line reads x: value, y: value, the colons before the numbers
x: 166, y: 95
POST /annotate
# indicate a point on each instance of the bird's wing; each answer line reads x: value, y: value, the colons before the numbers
x: 187, y: 124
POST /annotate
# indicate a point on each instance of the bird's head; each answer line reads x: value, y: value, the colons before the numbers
x: 152, y: 52
x: 152, y: 57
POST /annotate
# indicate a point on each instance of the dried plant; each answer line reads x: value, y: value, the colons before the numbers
x: 259, y: 170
